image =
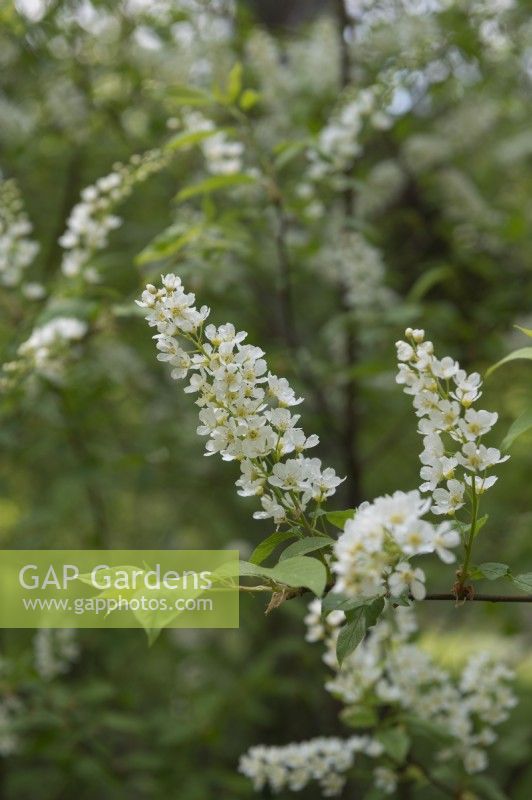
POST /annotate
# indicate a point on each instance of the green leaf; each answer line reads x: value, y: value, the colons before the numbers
x: 351, y: 634
x: 492, y: 570
x: 338, y: 601
x: 480, y: 524
x: 373, y: 611
x: 521, y: 425
x: 487, y: 787
x: 359, y: 717
x: 234, y: 83
x: 425, y: 728
x: 396, y: 742
x: 339, y: 518
x: 249, y: 99
x: 214, y: 184
x: 427, y: 281
x: 168, y: 243
x: 523, y: 582
x: 186, y: 96
x: 307, y: 545
x: 301, y: 571
x: 267, y: 546
x: 526, y: 331
x: 522, y: 353
x: 358, y: 622
x: 183, y: 140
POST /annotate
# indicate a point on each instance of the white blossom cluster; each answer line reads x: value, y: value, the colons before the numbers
x: 55, y: 651
x: 9, y: 710
x: 245, y: 409
x: 223, y: 156
x: 358, y: 267
x: 294, y: 766
x: 339, y: 141
x: 17, y: 249
x: 92, y: 219
x: 47, y: 350
x: 390, y: 669
x: 443, y: 396
x: 372, y: 555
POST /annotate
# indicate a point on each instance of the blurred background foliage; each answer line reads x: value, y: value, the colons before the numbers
x: 426, y: 221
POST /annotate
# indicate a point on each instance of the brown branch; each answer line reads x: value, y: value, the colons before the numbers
x: 481, y: 597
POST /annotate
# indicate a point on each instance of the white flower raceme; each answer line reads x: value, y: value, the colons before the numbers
x: 222, y: 156
x: 55, y: 651
x: 372, y: 555
x: 245, y: 409
x: 443, y: 396
x: 352, y: 262
x: 339, y: 140
x: 388, y: 668
x: 47, y: 351
x: 294, y: 766
x: 92, y: 219
x: 17, y: 250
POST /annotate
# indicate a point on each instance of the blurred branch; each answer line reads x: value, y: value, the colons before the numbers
x: 351, y: 406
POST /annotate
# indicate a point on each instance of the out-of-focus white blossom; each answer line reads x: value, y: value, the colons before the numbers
x: 92, y: 219
x: 55, y: 651
x: 47, y: 351
x: 17, y: 249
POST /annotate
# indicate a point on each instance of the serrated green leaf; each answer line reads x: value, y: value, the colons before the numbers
x: 339, y: 518
x: 521, y: 425
x: 267, y: 546
x: 523, y: 582
x: 214, y: 184
x: 308, y: 545
x: 351, y: 634
x: 338, y: 601
x: 492, y: 570
x: 522, y: 353
x: 396, y: 742
x: 301, y: 571
x: 358, y: 622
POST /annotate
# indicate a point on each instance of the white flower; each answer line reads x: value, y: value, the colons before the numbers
x: 405, y: 578
x: 449, y: 500
x: 477, y: 423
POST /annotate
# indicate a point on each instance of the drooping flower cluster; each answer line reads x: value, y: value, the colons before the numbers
x: 17, y: 250
x: 339, y: 141
x: 46, y: 351
x: 92, y: 219
x: 55, y: 651
x: 372, y: 555
x: 452, y: 430
x: 357, y: 266
x: 294, y: 766
x: 389, y: 669
x: 245, y: 409
x: 223, y: 156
